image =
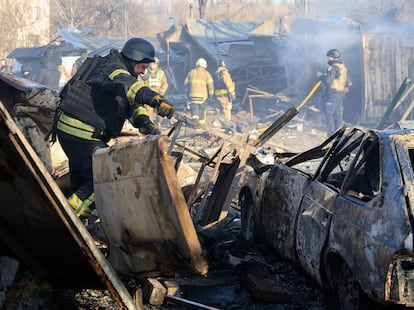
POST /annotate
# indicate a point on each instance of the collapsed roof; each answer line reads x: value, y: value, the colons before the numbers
x: 282, y: 56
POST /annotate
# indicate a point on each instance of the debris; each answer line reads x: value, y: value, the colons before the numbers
x: 262, y: 287
x: 40, y: 227
x: 8, y: 271
x: 394, y: 102
x: 202, y: 146
x: 143, y: 211
x: 188, y: 303
x: 173, y: 288
x: 153, y: 292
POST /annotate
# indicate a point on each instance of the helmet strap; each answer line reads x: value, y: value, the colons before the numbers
x: 130, y: 65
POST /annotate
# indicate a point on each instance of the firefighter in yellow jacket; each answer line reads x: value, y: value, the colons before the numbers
x: 224, y: 90
x: 156, y: 79
x: 199, y: 85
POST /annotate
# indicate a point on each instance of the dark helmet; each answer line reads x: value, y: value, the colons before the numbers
x: 139, y: 50
x: 334, y: 53
x: 222, y: 63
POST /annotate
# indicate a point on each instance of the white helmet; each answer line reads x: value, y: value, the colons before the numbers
x: 201, y: 62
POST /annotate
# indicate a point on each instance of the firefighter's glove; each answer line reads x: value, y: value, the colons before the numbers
x: 141, y: 120
x: 233, y: 96
x: 149, y: 128
x: 164, y: 108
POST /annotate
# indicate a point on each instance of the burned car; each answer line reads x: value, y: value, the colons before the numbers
x: 341, y: 211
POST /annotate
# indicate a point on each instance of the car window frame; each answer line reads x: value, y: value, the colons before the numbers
x: 357, y: 163
x: 346, y: 142
x: 340, y: 149
x: 316, y: 152
x: 353, y: 144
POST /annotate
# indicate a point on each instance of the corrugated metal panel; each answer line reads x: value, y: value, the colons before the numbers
x: 24, y: 85
x: 239, y: 55
x: 387, y: 62
x: 220, y: 31
x: 215, y: 37
x: 268, y: 28
x: 30, y: 52
x: 91, y: 43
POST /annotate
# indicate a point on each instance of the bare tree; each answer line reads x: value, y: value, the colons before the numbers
x: 109, y: 17
x: 147, y: 18
x: 202, y: 4
x: 103, y: 17
x: 15, y: 26
x: 70, y: 13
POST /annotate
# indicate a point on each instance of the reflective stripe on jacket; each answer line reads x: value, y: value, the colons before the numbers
x: 157, y: 81
x: 76, y: 128
x: 223, y: 84
x: 199, y: 85
x: 114, y: 93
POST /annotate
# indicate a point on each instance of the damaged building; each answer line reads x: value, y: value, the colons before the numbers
x: 271, y: 62
x: 281, y: 58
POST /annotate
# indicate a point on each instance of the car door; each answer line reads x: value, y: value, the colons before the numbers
x: 313, y: 226
x: 362, y: 227
x: 318, y: 202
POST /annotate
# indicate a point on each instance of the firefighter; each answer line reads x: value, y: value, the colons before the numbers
x: 224, y: 89
x: 94, y: 104
x: 199, y: 86
x: 336, y: 82
x: 156, y: 79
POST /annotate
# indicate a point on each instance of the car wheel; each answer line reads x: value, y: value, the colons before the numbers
x: 247, y: 215
x: 350, y: 294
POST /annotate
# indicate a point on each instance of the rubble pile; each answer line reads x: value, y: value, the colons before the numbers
x: 201, y: 165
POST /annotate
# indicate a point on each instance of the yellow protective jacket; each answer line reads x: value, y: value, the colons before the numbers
x: 223, y: 84
x: 336, y: 77
x: 199, y: 85
x: 156, y: 80
x: 339, y: 82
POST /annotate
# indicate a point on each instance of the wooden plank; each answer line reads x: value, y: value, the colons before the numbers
x: 153, y: 292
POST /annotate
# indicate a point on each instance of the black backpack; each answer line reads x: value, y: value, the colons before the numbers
x: 75, y: 90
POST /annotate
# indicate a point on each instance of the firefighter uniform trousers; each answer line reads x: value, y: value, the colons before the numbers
x: 334, y: 110
x: 81, y: 178
x: 198, y: 111
x: 226, y: 105
x: 77, y: 142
